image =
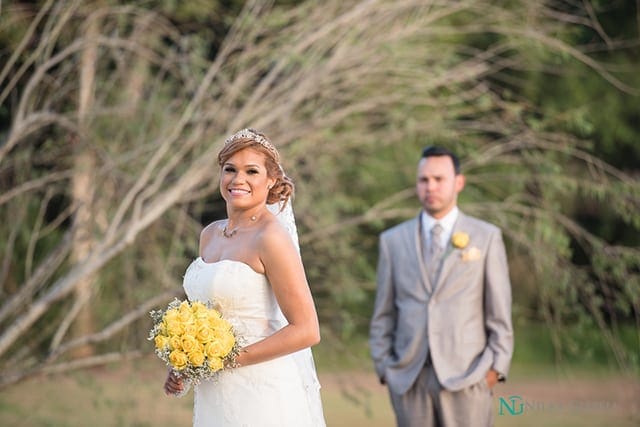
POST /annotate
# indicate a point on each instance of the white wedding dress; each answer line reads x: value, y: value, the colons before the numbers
x: 283, y: 392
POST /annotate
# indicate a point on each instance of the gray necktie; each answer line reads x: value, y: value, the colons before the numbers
x: 435, y: 253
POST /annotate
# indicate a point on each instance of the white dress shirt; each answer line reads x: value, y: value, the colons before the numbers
x: 447, y: 223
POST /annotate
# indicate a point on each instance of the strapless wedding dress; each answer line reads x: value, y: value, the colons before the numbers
x: 283, y: 392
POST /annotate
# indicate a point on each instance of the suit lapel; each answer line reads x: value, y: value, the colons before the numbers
x: 451, y: 255
x: 420, y: 248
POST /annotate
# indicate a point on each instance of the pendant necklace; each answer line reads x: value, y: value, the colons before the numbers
x: 229, y: 234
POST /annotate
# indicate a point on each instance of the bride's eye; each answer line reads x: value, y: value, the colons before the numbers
x: 229, y: 169
x: 253, y: 171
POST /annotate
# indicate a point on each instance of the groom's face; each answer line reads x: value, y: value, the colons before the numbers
x: 437, y: 185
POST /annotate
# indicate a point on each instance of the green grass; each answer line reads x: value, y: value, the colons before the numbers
x: 131, y: 395
x: 534, y: 351
x: 568, y: 394
x: 583, y: 350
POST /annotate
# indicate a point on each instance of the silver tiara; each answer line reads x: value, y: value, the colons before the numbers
x: 254, y: 135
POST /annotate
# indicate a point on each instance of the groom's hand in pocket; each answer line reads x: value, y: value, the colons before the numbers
x: 492, y: 378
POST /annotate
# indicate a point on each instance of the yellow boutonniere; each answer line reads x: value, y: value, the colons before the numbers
x: 460, y: 240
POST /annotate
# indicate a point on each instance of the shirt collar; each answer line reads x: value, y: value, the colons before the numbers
x: 447, y: 222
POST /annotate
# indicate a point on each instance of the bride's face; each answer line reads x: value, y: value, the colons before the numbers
x: 244, y: 181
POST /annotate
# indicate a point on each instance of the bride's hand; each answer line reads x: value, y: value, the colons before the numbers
x: 173, y: 384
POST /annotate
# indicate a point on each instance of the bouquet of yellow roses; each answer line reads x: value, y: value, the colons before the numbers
x: 193, y: 339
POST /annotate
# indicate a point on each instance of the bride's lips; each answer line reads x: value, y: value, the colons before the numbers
x: 238, y: 192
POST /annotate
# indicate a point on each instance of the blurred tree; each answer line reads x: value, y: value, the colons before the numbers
x: 349, y: 91
x: 568, y: 96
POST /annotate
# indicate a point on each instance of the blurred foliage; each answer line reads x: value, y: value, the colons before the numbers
x: 539, y: 99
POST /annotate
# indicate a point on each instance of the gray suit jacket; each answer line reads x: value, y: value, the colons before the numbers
x: 464, y: 321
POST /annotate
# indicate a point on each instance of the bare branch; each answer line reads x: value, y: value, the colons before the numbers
x: 327, y: 82
x: 57, y: 350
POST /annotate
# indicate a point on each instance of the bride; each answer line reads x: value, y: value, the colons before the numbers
x: 250, y: 267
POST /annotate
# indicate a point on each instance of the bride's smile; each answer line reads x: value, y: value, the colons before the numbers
x: 238, y: 191
x: 244, y: 181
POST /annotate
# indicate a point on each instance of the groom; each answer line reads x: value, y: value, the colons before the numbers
x: 441, y: 334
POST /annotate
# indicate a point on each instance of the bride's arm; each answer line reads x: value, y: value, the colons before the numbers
x: 285, y: 272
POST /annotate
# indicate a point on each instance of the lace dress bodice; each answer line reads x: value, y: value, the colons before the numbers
x: 282, y: 392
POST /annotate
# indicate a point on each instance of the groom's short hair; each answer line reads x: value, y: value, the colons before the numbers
x: 437, y: 151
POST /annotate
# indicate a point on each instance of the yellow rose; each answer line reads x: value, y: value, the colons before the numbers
x: 178, y: 359
x: 227, y: 342
x: 171, y: 314
x: 189, y: 343
x: 196, y: 357
x: 220, y: 325
x: 213, y: 323
x: 220, y: 346
x: 184, y: 306
x: 215, y: 364
x: 163, y: 328
x: 213, y: 315
x: 214, y: 348
x: 190, y: 329
x: 460, y: 240
x: 205, y: 334
x: 174, y: 327
x: 200, y: 311
x: 175, y: 343
x: 198, y: 306
x: 185, y: 314
x: 186, y: 317
x: 161, y: 341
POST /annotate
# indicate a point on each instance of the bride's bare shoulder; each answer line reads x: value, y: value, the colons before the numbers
x: 210, y: 230
x: 273, y: 234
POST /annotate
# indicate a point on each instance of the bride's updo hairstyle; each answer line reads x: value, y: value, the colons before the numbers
x: 283, y: 188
